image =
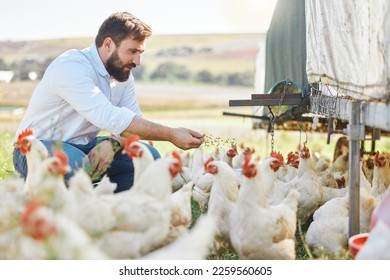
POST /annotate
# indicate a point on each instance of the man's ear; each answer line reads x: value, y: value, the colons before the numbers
x: 108, y: 45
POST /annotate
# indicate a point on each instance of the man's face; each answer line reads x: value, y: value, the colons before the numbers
x: 124, y: 58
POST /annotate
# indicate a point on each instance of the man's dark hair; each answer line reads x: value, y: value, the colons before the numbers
x: 120, y: 26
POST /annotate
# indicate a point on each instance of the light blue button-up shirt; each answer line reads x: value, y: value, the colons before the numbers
x: 77, y: 98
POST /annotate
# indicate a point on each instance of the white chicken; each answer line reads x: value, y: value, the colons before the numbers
x: 329, y: 228
x: 238, y: 160
x: 329, y: 192
x: 201, y: 197
x: 143, y: 213
x: 48, y: 184
x: 16, y: 245
x: 202, y: 180
x: 270, y: 177
x: 12, y: 200
x: 308, y: 184
x: 368, y: 168
x: 321, y: 162
x: 341, y: 164
x: 228, y: 155
x: 381, y: 175
x: 289, y: 171
x: 223, y: 196
x: 35, y: 153
x: 45, y: 234
x: 12, y: 205
x: 182, y: 178
x: 140, y: 154
x: 92, y: 211
x: 12, y: 183
x: 194, y: 245
x: 181, y: 212
x: 327, y: 179
x: 105, y: 186
x: 276, y: 190
x: 258, y: 230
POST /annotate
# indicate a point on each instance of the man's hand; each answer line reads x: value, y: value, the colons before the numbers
x: 100, y: 158
x: 185, y: 138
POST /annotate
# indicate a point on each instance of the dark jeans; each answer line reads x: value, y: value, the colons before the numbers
x: 120, y: 171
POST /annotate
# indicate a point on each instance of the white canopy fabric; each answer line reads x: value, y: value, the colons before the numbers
x: 347, y: 44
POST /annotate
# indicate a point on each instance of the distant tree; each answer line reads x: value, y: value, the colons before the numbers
x: 139, y: 72
x: 170, y: 71
x: 240, y: 79
x: 4, y: 65
x: 182, y: 73
x: 205, y: 76
x: 163, y: 71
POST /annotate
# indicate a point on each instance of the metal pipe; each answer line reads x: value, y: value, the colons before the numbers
x: 355, y: 131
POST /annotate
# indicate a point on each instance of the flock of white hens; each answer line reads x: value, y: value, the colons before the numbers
x: 250, y: 207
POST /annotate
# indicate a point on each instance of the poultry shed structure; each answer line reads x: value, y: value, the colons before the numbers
x: 324, y: 66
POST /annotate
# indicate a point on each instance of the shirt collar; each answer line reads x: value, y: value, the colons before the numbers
x: 97, y: 62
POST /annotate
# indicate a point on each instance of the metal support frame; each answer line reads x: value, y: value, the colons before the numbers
x: 273, y: 99
x: 359, y: 115
x: 356, y: 133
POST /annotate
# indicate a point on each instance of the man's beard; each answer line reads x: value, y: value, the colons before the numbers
x: 116, y: 68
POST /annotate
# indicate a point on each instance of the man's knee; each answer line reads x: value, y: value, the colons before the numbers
x: 19, y: 161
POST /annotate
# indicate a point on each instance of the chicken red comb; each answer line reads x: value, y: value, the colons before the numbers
x: 248, y: 150
x: 305, y: 153
x: 292, y: 156
x: 208, y: 161
x: 380, y: 159
x: 278, y: 156
x: 340, y: 181
x: 232, y: 152
x: 37, y: 227
x: 30, y: 208
x: 132, y: 138
x: 26, y: 132
x: 376, y: 157
x: 369, y: 163
x: 60, y: 154
x: 176, y: 155
x: 247, y: 159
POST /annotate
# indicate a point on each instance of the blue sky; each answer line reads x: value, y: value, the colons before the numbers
x: 43, y: 19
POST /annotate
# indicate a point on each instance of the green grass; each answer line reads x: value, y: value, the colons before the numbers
x: 6, y: 148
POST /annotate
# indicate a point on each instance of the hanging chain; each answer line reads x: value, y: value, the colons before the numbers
x: 272, y: 127
x: 272, y: 116
x: 285, y: 87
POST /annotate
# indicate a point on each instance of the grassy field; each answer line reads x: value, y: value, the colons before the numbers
x: 224, y: 52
